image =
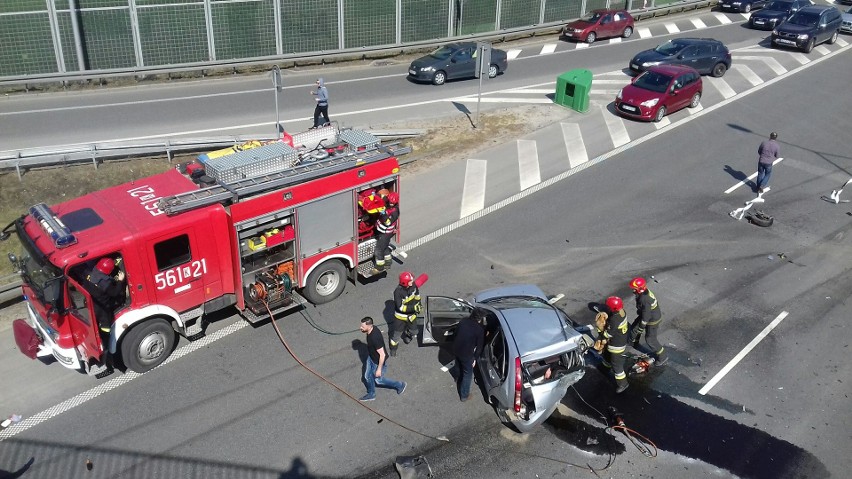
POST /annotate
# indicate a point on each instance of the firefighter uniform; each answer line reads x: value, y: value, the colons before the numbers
x: 647, y: 323
x: 107, y: 295
x: 615, y: 336
x: 385, y: 231
x: 406, y: 300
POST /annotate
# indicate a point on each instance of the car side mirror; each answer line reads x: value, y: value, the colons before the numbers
x: 673, y: 89
x: 453, y: 60
x: 680, y: 57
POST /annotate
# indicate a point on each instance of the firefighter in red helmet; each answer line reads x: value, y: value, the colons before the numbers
x: 107, y: 290
x: 406, y: 300
x: 386, y: 226
x: 647, y: 322
x: 612, y: 334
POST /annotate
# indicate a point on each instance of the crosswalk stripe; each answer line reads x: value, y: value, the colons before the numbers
x: 574, y: 144
x: 615, y: 125
x: 748, y: 73
x: 771, y: 62
x: 698, y: 23
x: 672, y: 28
x: 662, y: 123
x: 528, y: 163
x: 547, y: 49
x: 644, y: 32
x: 842, y: 42
x: 722, y: 86
x: 823, y: 50
x: 513, y: 53
x: 723, y: 19
x: 473, y: 194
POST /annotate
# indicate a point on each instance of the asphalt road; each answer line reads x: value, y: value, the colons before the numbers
x: 242, y: 407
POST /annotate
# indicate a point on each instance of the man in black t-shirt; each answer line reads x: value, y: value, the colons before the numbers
x: 374, y: 371
x: 470, y: 336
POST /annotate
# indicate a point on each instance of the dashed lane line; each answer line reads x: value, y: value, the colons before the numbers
x: 547, y: 49
x: 723, y: 19
x: 513, y: 53
x: 742, y: 354
x: 528, y: 169
x: 473, y: 193
x: 699, y: 24
x: 644, y: 33
x: 672, y: 28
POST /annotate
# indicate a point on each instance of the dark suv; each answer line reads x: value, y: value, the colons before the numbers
x: 743, y: 6
x: 775, y: 13
x: 706, y: 55
x: 808, y: 27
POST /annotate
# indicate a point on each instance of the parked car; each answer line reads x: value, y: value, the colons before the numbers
x: 808, y: 27
x: 846, y: 21
x: 743, y: 6
x: 525, y: 335
x: 659, y: 91
x: 706, y: 55
x: 454, y: 61
x: 600, y: 24
x: 776, y: 13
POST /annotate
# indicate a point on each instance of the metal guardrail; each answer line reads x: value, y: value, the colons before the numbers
x: 10, y: 288
x: 334, y: 56
x: 21, y: 160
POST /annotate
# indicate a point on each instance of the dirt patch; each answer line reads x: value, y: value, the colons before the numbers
x: 446, y: 140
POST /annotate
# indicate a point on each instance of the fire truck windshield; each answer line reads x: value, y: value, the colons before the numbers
x: 36, y: 271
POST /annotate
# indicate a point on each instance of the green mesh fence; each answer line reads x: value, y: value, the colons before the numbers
x: 518, y: 13
x: 173, y: 34
x: 309, y: 25
x: 561, y: 10
x: 107, y: 39
x: 244, y: 30
x: 26, y: 45
x: 424, y: 19
x: 369, y: 22
x: 19, y: 6
x: 475, y: 16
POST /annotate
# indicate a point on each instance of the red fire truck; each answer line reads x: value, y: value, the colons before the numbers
x: 262, y: 229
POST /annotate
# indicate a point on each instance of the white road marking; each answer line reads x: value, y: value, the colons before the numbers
x: 644, y: 32
x: 672, y: 28
x: 473, y: 194
x: 537, y: 91
x: 695, y: 110
x: 748, y: 73
x: 841, y: 42
x: 698, y: 23
x: 490, y: 99
x: 547, y: 49
x: 615, y: 125
x: 822, y: 50
x: 574, y: 144
x: 662, y: 123
x: 723, y: 19
x: 771, y: 62
x: 723, y: 87
x: 750, y: 177
x: 513, y: 53
x: 614, y: 81
x: 746, y: 15
x: 582, y: 45
x: 739, y: 357
x: 528, y: 163
x: 800, y: 57
x: 615, y: 40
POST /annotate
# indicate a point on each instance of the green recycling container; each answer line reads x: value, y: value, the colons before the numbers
x: 573, y: 89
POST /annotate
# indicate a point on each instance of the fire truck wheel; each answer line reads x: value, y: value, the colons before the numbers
x: 147, y: 345
x: 326, y: 282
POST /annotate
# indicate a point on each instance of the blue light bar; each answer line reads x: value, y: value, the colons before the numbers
x: 52, y: 226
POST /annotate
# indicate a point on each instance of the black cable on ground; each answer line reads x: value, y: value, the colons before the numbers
x: 312, y: 322
x: 335, y: 386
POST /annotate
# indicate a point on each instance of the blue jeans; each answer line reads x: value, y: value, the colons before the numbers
x: 465, y: 376
x: 382, y: 381
x: 763, y: 172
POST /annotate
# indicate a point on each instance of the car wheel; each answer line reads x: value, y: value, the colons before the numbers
x: 695, y: 100
x: 747, y: 8
x: 325, y: 282
x: 661, y: 112
x: 493, y: 71
x: 439, y: 78
x: 809, y: 46
x: 832, y: 39
x: 627, y: 32
x: 591, y: 37
x: 147, y: 345
x: 719, y: 69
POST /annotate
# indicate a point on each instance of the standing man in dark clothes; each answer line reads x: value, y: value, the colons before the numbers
x: 108, y: 291
x: 321, y: 96
x: 470, y: 336
x: 648, y: 319
x: 768, y: 152
x: 374, y: 371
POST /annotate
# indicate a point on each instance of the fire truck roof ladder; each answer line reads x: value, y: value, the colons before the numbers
x: 234, y: 191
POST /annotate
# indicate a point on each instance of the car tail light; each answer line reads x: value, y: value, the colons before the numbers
x: 518, y: 384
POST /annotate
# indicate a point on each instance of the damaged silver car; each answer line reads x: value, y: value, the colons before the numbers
x: 532, y: 351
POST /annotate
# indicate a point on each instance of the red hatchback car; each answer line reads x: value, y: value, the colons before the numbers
x: 600, y: 24
x: 658, y: 91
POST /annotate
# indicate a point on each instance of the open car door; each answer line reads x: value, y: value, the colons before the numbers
x: 442, y: 318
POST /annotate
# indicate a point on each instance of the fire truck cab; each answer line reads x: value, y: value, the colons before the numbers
x: 264, y: 233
